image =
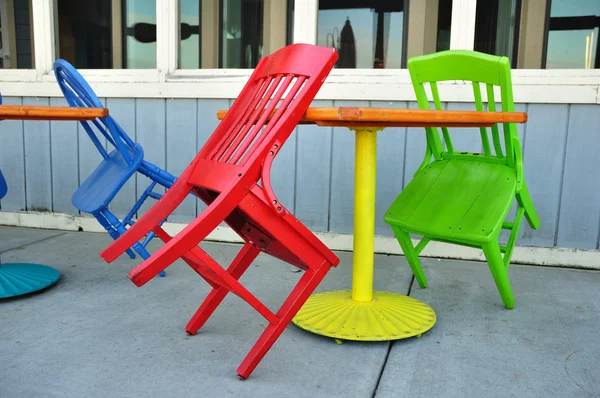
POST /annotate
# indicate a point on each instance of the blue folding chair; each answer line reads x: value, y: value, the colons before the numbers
x: 98, y: 190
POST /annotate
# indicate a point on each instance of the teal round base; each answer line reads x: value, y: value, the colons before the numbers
x: 17, y: 279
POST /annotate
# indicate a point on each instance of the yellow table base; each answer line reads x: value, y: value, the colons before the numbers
x: 361, y: 313
x: 388, y: 316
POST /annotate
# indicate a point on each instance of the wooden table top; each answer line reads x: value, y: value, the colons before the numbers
x: 24, y: 112
x: 344, y: 116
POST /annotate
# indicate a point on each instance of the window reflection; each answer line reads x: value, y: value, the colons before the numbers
x: 444, y: 22
x: 105, y: 34
x: 573, y: 35
x: 367, y: 34
x: 16, y: 35
x: 496, y: 27
x: 242, y: 34
x: 232, y: 33
x: 189, y: 35
x: 140, y: 54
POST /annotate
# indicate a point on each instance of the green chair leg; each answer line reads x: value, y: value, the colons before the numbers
x: 499, y: 272
x: 411, y: 255
x: 524, y: 200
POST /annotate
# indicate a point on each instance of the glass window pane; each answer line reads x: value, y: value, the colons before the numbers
x: 16, y: 35
x: 140, y: 17
x: 107, y: 34
x: 375, y: 33
x: 189, y: 44
x: 231, y: 33
x: 444, y: 22
x: 367, y: 34
x: 242, y: 33
x: 573, y: 35
x: 496, y: 27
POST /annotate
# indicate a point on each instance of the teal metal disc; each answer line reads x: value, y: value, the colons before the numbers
x: 22, y: 278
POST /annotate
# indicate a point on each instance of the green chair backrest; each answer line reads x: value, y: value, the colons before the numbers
x: 478, y: 68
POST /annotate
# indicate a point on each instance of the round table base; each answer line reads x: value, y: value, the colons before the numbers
x: 22, y: 278
x: 389, y: 316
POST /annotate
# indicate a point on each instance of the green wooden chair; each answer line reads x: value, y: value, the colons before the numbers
x: 458, y: 197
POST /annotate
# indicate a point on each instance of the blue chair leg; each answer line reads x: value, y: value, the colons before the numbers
x: 121, y: 229
x: 111, y: 231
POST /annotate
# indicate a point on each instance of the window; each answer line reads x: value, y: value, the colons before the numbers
x: 16, y: 37
x: 367, y: 33
x: 207, y: 48
x: 107, y: 34
x: 231, y: 33
x: 383, y: 33
x: 443, y: 25
x: 496, y: 27
x: 540, y: 34
x: 572, y: 41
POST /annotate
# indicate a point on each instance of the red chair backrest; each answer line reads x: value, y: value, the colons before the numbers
x: 287, y: 80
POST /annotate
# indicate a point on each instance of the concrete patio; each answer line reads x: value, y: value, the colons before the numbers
x: 94, y: 334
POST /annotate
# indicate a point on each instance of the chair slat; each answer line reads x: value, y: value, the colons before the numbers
x: 242, y: 118
x: 492, y: 108
x: 483, y: 131
x: 256, y: 115
x: 282, y: 109
x: 438, y: 106
x: 262, y: 123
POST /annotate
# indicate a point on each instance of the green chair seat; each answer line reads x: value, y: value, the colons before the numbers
x: 469, y: 199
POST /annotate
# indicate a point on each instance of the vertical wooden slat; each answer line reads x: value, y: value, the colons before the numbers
x: 498, y: 143
x: 416, y: 143
x: 151, y: 135
x: 88, y: 155
x: 181, y: 148
x: 37, y: 160
x: 465, y: 139
x: 390, y: 168
x: 580, y: 196
x: 313, y: 173
x: 342, y: 176
x: 485, y: 141
x: 521, y: 128
x: 12, y: 160
x: 255, y: 122
x: 122, y: 110
x: 207, y: 123
x: 65, y: 178
x: 439, y: 106
x: 543, y: 164
x: 283, y: 173
x: 242, y: 119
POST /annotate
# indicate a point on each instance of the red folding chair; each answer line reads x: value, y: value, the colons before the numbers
x: 225, y: 174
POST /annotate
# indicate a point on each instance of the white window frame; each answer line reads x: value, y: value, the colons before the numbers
x: 166, y: 81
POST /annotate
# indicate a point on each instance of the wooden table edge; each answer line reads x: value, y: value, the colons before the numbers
x: 27, y: 112
x: 401, y: 117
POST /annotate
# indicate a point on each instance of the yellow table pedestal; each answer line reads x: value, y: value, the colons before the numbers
x: 361, y: 313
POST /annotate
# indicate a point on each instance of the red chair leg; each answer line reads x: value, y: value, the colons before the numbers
x: 237, y: 268
x: 305, y: 287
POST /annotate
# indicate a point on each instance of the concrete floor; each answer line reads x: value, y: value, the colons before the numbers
x: 95, y: 334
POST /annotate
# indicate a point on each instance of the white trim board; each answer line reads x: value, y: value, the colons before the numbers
x: 555, y: 257
x: 211, y: 89
x: 543, y: 86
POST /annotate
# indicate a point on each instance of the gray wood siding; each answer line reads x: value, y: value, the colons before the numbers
x: 313, y: 176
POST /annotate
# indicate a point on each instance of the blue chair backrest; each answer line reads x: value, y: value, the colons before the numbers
x: 78, y: 93
x: 3, y: 186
